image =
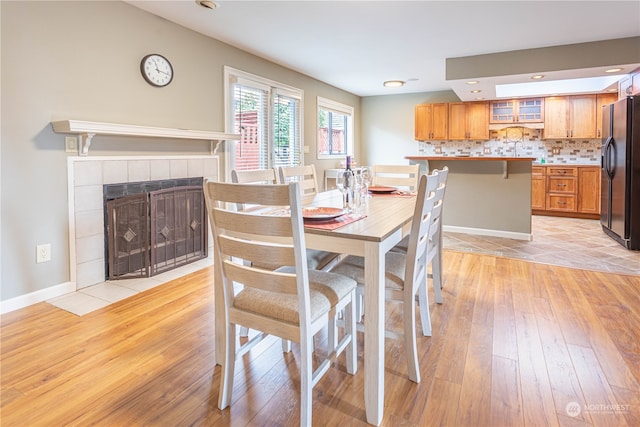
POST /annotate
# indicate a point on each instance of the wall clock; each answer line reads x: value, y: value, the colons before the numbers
x: 156, y: 70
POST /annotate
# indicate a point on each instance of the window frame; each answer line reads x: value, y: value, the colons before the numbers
x: 233, y: 76
x: 336, y: 107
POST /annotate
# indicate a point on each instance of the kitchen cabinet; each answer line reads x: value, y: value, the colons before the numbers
x: 572, y: 191
x: 589, y: 190
x: 538, y: 184
x: 601, y: 100
x: 629, y: 85
x: 561, y: 188
x: 468, y: 120
x: 431, y: 121
x: 517, y: 111
x: 570, y: 117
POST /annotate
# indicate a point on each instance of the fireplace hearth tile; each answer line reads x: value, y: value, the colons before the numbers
x: 78, y: 303
x: 109, y: 291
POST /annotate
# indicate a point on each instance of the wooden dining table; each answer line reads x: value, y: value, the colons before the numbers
x: 387, y: 219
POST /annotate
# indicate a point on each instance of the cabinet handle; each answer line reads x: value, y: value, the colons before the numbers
x: 562, y: 203
x: 561, y: 185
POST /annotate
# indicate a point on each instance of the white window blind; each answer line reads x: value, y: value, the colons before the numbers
x: 268, y: 116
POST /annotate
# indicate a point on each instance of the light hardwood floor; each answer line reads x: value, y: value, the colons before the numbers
x: 515, y: 343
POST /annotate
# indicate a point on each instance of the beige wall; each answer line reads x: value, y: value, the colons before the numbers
x: 80, y: 60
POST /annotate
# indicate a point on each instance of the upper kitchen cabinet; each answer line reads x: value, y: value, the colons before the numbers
x: 468, y: 120
x: 517, y: 111
x: 603, y: 99
x: 570, y: 117
x: 630, y: 85
x: 431, y: 121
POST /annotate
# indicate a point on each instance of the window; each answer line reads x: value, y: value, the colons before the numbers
x: 335, y: 129
x: 268, y: 117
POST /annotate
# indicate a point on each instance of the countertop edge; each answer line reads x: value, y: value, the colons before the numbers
x: 486, y: 159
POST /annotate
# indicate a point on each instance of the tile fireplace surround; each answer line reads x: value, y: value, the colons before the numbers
x: 87, y: 175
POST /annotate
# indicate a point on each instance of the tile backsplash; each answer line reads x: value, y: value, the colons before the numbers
x: 525, y: 142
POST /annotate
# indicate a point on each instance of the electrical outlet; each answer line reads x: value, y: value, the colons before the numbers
x: 43, y: 253
x: 306, y: 149
x: 70, y: 144
x: 555, y: 150
x: 438, y: 150
x: 487, y: 150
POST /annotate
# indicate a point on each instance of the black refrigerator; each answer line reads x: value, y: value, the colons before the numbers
x: 620, y: 192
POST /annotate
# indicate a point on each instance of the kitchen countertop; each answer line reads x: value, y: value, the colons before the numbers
x: 468, y: 158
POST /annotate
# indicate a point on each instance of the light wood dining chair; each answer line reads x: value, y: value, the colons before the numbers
x: 405, y: 177
x: 293, y: 303
x: 305, y: 175
x: 434, y: 257
x: 405, y: 274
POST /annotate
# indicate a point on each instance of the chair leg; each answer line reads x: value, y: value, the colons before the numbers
x: 350, y: 328
x: 359, y: 304
x: 306, y: 379
x: 409, y: 311
x: 228, y: 365
x: 436, y: 269
x: 423, y: 304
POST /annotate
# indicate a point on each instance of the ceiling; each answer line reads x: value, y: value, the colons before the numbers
x: 357, y: 45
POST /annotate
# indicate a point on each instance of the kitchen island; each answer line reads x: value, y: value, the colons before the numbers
x: 485, y: 195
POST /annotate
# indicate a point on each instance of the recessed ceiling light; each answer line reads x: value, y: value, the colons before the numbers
x: 393, y: 83
x: 473, y: 82
x: 537, y: 77
x: 613, y: 70
x: 476, y: 91
x: 208, y: 4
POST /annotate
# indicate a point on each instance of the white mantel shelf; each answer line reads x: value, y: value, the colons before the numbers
x: 87, y: 130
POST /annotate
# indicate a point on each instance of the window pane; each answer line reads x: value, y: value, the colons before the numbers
x: 250, y: 106
x: 334, y: 129
x: 286, y: 131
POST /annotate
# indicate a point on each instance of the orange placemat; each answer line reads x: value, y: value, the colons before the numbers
x: 334, y: 223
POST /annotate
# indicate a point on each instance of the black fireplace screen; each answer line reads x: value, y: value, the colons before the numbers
x: 154, y: 232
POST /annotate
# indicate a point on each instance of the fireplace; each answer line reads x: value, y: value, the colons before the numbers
x: 154, y: 226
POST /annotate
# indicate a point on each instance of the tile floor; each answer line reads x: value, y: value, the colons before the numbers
x: 101, y: 295
x: 567, y: 242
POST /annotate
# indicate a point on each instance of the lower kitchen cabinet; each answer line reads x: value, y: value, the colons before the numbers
x: 538, y: 187
x: 572, y: 191
x: 589, y: 190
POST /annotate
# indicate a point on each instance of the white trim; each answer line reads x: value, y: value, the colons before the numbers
x: 488, y: 232
x: 78, y: 126
x: 41, y: 295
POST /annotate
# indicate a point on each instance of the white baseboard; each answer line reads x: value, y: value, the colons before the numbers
x: 488, y: 232
x: 26, y: 300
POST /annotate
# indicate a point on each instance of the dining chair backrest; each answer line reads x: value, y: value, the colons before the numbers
x: 290, y: 302
x: 402, y: 176
x: 419, y: 236
x: 254, y: 176
x: 435, y: 238
x: 305, y: 175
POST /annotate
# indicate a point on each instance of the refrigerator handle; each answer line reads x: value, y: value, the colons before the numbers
x: 608, y: 148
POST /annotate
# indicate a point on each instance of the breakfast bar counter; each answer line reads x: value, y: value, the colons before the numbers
x: 485, y: 195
